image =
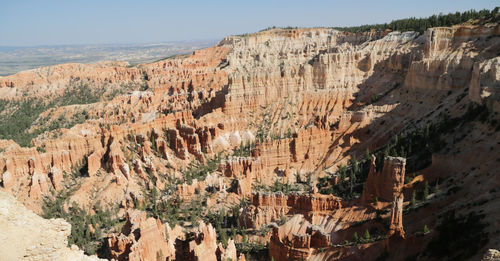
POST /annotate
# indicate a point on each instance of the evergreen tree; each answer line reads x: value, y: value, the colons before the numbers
x: 413, y: 202
x: 233, y: 232
x: 421, y: 24
x: 426, y: 229
x: 426, y: 190
x: 366, y: 236
x: 355, y: 237
x: 436, y: 187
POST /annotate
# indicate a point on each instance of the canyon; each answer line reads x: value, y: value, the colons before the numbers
x: 286, y: 144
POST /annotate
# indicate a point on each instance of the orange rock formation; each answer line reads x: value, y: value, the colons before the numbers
x: 282, y: 105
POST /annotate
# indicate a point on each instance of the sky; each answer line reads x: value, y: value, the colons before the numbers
x: 59, y: 22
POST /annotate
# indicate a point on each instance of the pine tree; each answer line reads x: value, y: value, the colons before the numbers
x: 413, y: 202
x: 366, y: 236
x: 426, y: 229
x: 355, y: 166
x: 436, y: 187
x: 355, y: 237
x: 233, y: 232
x: 426, y: 190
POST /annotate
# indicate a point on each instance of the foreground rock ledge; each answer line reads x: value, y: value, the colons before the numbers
x: 27, y: 236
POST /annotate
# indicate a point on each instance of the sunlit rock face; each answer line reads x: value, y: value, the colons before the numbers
x: 239, y: 121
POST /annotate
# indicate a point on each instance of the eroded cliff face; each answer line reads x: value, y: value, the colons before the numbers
x: 283, y: 108
x: 142, y: 238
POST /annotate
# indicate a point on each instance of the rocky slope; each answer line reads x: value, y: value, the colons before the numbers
x: 285, y: 136
x: 27, y: 236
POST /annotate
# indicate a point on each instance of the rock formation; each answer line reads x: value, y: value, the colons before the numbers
x: 282, y: 106
x: 491, y: 255
x: 270, y: 207
x: 142, y: 238
x: 388, y: 183
x: 27, y: 236
x: 264, y: 209
x: 398, y: 169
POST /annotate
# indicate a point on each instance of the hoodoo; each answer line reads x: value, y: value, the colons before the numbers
x: 285, y: 144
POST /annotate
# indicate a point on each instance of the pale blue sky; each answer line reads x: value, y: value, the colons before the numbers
x: 52, y: 22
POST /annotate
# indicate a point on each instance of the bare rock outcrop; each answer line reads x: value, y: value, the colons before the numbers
x: 291, y: 241
x: 396, y: 224
x: 27, y: 236
x: 142, y: 238
x: 383, y: 185
x: 491, y: 255
x: 296, y: 103
x: 204, y: 244
x: 264, y: 209
x: 270, y: 207
x: 485, y: 83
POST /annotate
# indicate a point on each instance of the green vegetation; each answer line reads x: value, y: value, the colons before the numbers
x: 86, y: 228
x: 174, y: 210
x: 283, y: 187
x: 426, y: 229
x: 225, y: 223
x: 447, y: 245
x: 264, y: 129
x: 253, y: 251
x: 279, y: 27
x: 350, y: 179
x: 17, y: 116
x: 436, y: 187
x: 228, y: 225
x: 199, y: 171
x: 419, y: 144
x: 244, y: 150
x: 366, y: 236
x: 421, y: 24
x: 167, y: 212
x: 426, y: 190
x: 413, y: 202
x: 286, y: 188
x: 267, y: 125
x: 355, y: 237
x: 82, y: 170
x: 416, y: 145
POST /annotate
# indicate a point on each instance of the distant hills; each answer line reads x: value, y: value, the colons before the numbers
x: 14, y: 59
